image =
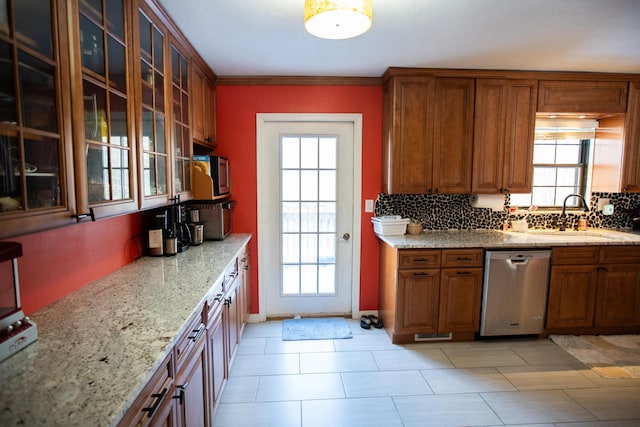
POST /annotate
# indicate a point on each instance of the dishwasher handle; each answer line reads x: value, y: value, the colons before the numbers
x: 518, y: 262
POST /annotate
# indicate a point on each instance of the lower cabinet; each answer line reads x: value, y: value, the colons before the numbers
x: 601, y: 296
x: 186, y: 389
x: 427, y: 293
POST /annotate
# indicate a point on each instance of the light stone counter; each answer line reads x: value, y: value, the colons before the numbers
x: 507, y: 239
x: 98, y: 346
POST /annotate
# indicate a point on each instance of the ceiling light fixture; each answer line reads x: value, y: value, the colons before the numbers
x: 337, y: 19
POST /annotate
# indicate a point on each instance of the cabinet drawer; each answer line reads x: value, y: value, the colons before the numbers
x: 582, y: 97
x: 418, y: 258
x: 572, y: 255
x: 461, y: 258
x: 619, y: 254
x: 156, y: 393
x: 188, y: 339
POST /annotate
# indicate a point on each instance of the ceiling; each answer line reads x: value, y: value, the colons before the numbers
x: 267, y: 37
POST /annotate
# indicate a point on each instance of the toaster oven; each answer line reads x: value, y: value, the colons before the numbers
x: 216, y: 218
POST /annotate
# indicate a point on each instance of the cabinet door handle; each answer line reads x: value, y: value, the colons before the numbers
x: 233, y: 274
x: 463, y: 272
x: 421, y: 274
x: 159, y: 397
x: 228, y: 302
x: 246, y: 267
x: 180, y: 396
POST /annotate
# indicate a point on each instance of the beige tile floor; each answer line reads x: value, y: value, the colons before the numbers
x: 367, y: 381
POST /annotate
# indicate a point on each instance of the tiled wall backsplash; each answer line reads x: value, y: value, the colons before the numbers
x: 453, y: 211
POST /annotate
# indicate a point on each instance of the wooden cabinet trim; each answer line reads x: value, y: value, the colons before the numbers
x: 462, y: 258
x: 575, y: 255
x: 418, y: 258
x: 582, y: 96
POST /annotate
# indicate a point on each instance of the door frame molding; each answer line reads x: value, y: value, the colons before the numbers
x: 356, y: 119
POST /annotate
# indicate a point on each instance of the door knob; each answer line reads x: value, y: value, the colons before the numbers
x: 345, y: 236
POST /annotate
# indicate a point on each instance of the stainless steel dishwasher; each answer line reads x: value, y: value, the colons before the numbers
x: 514, y: 297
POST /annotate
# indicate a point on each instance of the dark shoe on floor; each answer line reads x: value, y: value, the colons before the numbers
x: 365, y: 322
x: 377, y: 323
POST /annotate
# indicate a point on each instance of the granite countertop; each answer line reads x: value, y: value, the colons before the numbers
x: 97, y: 347
x: 441, y: 239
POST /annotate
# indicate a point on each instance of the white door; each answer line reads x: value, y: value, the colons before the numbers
x: 306, y: 215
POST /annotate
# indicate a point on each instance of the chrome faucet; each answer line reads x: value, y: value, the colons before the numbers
x: 562, y: 224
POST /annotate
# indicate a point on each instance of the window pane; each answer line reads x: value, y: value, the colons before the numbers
x: 118, y: 120
x: 120, y: 174
x: 160, y: 143
x: 309, y: 248
x: 178, y: 175
x: 568, y: 177
x: 97, y: 173
x: 290, y: 280
x: 148, y: 139
x: 327, y: 279
x: 520, y: 200
x: 327, y: 217
x: 309, y: 185
x: 33, y: 23
x: 309, y: 276
x: 327, y: 248
x: 117, y: 68
x: 149, y: 164
x: 309, y: 214
x: 290, y: 153
x: 4, y: 19
x: 544, y: 176
x: 42, y: 167
x: 145, y: 36
x: 290, y: 248
x: 327, y: 185
x: 92, y: 44
x: 309, y: 153
x: 7, y: 89
x: 10, y: 190
x: 158, y: 84
x: 162, y: 175
x: 543, y: 196
x: 290, y: 217
x: 115, y: 18
x: 290, y: 185
x: 544, y: 153
x: 37, y: 81
x: 562, y: 193
x: 158, y: 54
x: 327, y: 153
x: 568, y: 154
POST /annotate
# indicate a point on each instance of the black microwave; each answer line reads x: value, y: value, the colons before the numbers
x: 221, y: 175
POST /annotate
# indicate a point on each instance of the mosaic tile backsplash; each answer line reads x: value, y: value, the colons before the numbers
x: 453, y: 212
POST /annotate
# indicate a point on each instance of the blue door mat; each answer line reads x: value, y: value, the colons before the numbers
x: 326, y: 328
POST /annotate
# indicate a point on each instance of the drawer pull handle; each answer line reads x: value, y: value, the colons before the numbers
x: 159, y: 397
x: 463, y: 272
x: 198, y: 333
x: 463, y: 258
x: 180, y: 397
x: 420, y: 274
x: 420, y: 260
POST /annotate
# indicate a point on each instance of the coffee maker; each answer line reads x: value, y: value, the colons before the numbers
x: 179, y: 227
x: 158, y: 231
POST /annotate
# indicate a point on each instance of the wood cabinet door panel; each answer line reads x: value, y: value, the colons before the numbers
x: 411, y: 151
x: 418, y: 294
x: 460, y: 296
x: 520, y: 123
x: 619, y: 254
x: 453, y: 135
x: 191, y: 387
x: 564, y: 96
x: 618, y: 300
x: 572, y: 293
x: 197, y: 94
x: 489, y: 135
x: 631, y: 150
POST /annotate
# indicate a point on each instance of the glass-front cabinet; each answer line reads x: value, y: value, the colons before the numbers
x: 154, y: 150
x: 105, y: 166
x: 180, y: 116
x: 35, y: 187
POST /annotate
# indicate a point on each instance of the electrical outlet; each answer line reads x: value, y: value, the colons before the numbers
x: 602, y: 203
x: 368, y: 205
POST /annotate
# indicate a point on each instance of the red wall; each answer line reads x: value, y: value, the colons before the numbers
x: 237, y: 107
x: 57, y: 262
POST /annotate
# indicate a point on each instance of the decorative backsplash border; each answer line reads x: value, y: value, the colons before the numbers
x: 453, y: 212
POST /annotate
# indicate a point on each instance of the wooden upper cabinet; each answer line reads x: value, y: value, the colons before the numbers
x: 36, y: 162
x: 504, y: 133
x: 562, y: 96
x: 203, y: 107
x: 408, y: 135
x: 453, y: 135
x: 631, y: 150
x: 428, y: 135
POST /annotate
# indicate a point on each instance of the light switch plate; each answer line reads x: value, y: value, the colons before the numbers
x: 607, y: 210
x: 368, y: 205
